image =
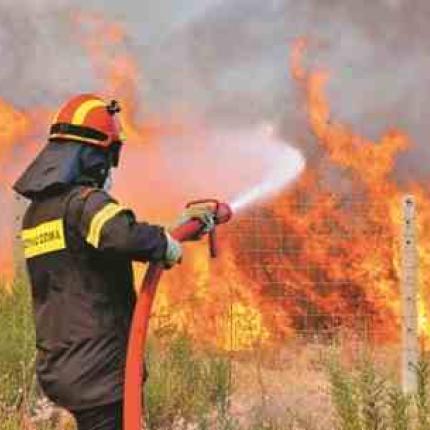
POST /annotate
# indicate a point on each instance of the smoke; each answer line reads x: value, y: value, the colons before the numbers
x: 226, y: 62
x: 231, y: 64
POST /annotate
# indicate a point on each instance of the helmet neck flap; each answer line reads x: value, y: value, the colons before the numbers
x: 60, y: 166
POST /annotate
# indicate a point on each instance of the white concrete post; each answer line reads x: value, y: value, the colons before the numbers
x: 410, y: 349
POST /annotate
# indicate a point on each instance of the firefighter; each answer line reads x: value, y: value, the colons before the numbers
x: 79, y: 243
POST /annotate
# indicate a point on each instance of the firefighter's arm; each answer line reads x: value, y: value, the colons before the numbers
x: 112, y: 229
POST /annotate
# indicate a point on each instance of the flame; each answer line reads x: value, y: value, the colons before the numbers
x: 14, y: 127
x: 343, y: 265
x: 322, y: 255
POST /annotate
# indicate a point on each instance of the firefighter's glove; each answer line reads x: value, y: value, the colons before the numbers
x: 202, y: 213
x: 173, y: 253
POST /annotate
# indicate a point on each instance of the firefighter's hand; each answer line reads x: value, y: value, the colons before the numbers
x: 202, y: 213
x: 173, y: 253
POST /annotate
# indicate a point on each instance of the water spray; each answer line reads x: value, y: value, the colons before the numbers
x: 286, y: 168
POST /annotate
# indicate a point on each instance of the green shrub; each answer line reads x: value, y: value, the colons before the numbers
x: 185, y: 386
x: 398, y: 406
x: 17, y: 353
x: 345, y: 397
x: 373, y: 397
x: 17, y: 345
x: 365, y: 399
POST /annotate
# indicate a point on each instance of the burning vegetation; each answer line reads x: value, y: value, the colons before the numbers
x: 319, y: 256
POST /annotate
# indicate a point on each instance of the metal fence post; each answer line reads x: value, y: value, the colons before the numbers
x: 410, y: 353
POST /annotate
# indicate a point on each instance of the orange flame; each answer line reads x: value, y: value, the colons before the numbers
x: 313, y: 259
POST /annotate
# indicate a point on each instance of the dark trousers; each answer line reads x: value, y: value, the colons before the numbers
x: 106, y: 417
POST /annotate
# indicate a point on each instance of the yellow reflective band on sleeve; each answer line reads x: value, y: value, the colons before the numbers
x: 99, y: 220
x: 84, y: 109
x: 44, y: 239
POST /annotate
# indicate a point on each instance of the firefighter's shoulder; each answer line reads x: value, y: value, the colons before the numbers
x: 98, y: 209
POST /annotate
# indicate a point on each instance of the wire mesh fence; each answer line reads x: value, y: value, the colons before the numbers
x: 298, y: 289
x: 316, y: 280
x: 307, y: 292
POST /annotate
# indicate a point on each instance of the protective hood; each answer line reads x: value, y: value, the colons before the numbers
x: 61, y: 165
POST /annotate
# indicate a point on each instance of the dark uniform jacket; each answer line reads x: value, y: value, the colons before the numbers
x: 79, y: 246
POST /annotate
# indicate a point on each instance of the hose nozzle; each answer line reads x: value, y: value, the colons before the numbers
x: 222, y: 214
x: 222, y: 211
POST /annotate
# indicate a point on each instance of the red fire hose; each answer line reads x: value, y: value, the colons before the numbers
x: 133, y: 401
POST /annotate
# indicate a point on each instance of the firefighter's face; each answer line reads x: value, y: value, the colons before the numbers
x: 107, y: 186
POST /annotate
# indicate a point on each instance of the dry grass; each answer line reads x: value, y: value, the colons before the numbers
x: 300, y: 385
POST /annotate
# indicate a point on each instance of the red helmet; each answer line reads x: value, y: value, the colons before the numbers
x: 88, y: 119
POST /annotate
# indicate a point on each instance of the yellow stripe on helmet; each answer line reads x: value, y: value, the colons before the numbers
x: 77, y: 138
x: 84, y: 109
x: 99, y: 220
